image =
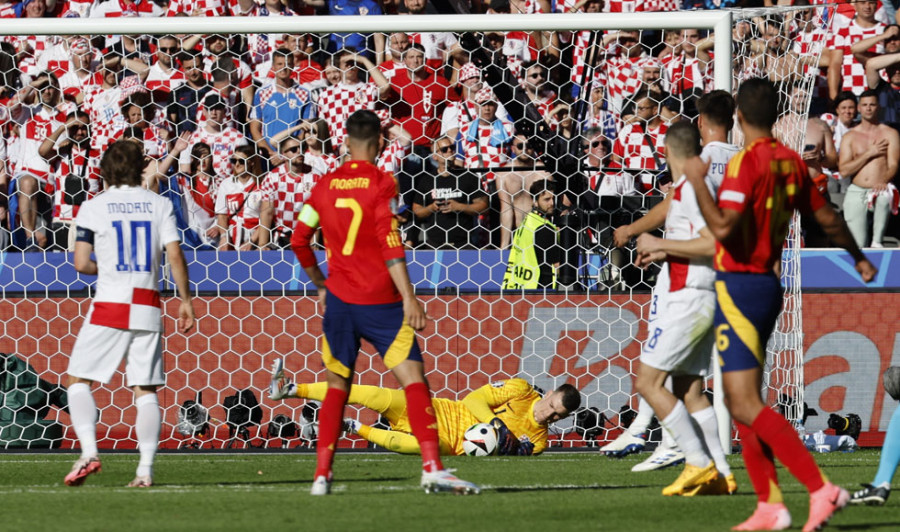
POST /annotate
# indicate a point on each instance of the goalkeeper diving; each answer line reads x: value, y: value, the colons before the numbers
x: 520, y: 413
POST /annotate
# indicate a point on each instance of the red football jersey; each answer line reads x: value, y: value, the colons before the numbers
x: 353, y: 205
x: 765, y: 182
x: 419, y: 105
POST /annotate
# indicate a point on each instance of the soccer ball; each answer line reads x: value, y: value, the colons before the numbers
x: 480, y: 440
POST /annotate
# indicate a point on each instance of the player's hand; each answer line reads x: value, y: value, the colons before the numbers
x: 507, y: 444
x: 622, y: 235
x: 414, y: 314
x: 866, y: 270
x: 643, y: 260
x: 647, y: 244
x: 185, y: 317
x: 526, y: 448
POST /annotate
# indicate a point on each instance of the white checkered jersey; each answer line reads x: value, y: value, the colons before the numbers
x: 222, y: 144
x: 241, y: 203
x: 131, y: 228
x: 287, y: 192
x: 337, y: 102
x: 852, y: 72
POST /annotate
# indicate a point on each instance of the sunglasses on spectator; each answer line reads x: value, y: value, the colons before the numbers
x: 445, y: 149
x: 536, y: 75
x: 168, y: 49
x: 238, y: 160
x: 592, y: 144
x: 520, y: 145
x: 292, y: 149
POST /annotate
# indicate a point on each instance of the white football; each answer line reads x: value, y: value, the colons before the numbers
x: 480, y: 440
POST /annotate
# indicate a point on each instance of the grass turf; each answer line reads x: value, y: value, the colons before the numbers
x: 373, y: 491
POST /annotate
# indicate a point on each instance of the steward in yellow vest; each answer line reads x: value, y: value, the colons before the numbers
x: 534, y: 254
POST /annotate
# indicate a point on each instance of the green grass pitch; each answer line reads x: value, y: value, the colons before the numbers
x: 379, y: 492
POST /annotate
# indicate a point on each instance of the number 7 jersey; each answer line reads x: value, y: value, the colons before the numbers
x: 131, y: 227
x: 354, y: 206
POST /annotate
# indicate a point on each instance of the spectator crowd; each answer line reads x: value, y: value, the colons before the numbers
x: 236, y: 129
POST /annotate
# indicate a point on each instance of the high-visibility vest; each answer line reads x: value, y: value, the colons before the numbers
x: 523, y: 270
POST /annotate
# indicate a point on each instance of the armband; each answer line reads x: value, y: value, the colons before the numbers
x: 84, y: 235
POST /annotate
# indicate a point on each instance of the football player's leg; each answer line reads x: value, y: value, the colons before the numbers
x: 392, y: 440
x: 386, y: 401
x: 705, y: 420
x: 890, y: 453
x: 673, y: 414
x: 144, y: 373
x: 340, y: 346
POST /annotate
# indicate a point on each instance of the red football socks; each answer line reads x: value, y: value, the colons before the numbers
x: 782, y: 439
x: 331, y: 417
x: 424, y: 425
x: 760, y: 466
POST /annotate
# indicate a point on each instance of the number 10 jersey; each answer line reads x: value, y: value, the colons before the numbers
x: 131, y: 227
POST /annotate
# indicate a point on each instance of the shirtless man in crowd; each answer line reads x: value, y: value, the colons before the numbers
x: 869, y: 155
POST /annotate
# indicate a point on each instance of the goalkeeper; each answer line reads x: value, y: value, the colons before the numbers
x: 518, y: 411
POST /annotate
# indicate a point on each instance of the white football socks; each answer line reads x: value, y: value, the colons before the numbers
x: 643, y: 418
x: 709, y: 427
x: 83, y: 412
x: 679, y: 424
x: 147, y: 428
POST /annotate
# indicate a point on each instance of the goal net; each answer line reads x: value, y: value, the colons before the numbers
x: 239, y: 117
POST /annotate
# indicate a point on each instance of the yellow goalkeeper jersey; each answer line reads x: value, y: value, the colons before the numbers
x: 511, y: 400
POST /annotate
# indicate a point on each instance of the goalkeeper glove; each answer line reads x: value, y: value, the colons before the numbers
x: 507, y: 443
x: 526, y: 448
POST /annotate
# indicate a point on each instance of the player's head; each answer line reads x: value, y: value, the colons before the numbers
x: 757, y: 103
x: 122, y: 164
x: 543, y: 195
x: 716, y: 109
x: 363, y: 134
x: 558, y: 404
x: 682, y: 141
x: 868, y: 106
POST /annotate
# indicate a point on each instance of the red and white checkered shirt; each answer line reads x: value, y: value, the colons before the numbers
x: 620, y: 6
x: 103, y: 107
x: 222, y: 144
x: 623, y: 78
x: 8, y: 10
x: 33, y: 132
x: 33, y: 46
x: 74, y: 164
x: 684, y: 73
x: 321, y: 164
x: 337, y: 102
x: 658, y: 5
x: 207, y: 8
x: 165, y: 82
x: 118, y: 8
x: 287, y: 192
x: 519, y: 47
x: 391, y: 157
x: 633, y: 150
x: 458, y: 115
x: 480, y: 153
x: 242, y: 205
x: 852, y: 72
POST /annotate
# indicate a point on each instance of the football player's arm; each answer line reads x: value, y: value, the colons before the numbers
x: 720, y: 221
x: 180, y: 273
x: 301, y: 244
x: 480, y: 403
x: 83, y: 249
x: 654, y: 219
x: 703, y: 246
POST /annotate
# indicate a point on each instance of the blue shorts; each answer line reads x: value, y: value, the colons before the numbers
x: 381, y: 325
x: 747, y: 308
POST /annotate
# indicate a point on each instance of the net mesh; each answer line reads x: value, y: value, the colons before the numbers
x: 566, y: 112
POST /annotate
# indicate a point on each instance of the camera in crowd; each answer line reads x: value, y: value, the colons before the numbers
x: 849, y: 425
